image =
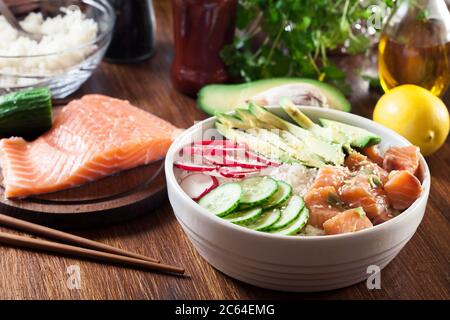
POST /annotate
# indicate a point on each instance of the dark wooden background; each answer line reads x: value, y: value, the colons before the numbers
x: 421, y: 270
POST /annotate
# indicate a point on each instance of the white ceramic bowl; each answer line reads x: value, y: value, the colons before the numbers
x: 294, y: 263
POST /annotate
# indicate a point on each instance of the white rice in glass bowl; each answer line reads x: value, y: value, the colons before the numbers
x: 71, y: 29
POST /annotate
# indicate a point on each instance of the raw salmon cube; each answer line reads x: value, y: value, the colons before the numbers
x: 402, y: 158
x: 374, y: 154
x: 359, y: 163
x: 323, y: 204
x: 355, y: 160
x: 348, y: 221
x: 330, y: 176
x: 402, y: 189
x: 363, y: 191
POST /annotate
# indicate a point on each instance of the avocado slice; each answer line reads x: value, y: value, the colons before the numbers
x: 255, y: 144
x: 297, y: 148
x: 227, y: 97
x: 233, y: 122
x: 354, y: 136
x: 327, y: 150
x: 303, y: 121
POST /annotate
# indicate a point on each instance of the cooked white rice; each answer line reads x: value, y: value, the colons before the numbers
x: 69, y: 30
x: 310, y: 230
x: 298, y: 176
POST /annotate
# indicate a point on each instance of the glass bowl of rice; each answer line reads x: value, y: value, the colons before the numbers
x: 75, y: 37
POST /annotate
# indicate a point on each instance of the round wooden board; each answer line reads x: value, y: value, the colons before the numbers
x: 113, y: 199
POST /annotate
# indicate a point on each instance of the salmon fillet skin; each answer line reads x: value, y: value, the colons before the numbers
x: 91, y: 138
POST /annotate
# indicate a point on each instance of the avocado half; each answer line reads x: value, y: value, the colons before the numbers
x: 227, y: 97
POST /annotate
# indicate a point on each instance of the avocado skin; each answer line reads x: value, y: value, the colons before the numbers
x: 227, y: 97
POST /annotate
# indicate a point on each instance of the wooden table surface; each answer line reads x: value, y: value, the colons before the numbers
x: 421, y: 270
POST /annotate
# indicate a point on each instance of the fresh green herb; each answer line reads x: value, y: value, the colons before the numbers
x: 293, y: 38
x: 334, y: 200
x: 374, y: 181
x: 361, y: 212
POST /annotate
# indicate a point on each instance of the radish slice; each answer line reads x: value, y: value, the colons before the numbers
x: 219, y: 151
x: 197, y: 185
x: 234, y: 162
x: 220, y: 160
x: 223, y: 143
x: 246, y: 164
x: 195, y: 167
x: 195, y: 150
x: 236, y: 172
x: 211, y: 150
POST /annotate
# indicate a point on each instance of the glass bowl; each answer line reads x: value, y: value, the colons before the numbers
x: 63, y: 70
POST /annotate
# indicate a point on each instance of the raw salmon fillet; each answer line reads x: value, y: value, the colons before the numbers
x: 402, y: 189
x: 91, y: 138
x: 348, y: 221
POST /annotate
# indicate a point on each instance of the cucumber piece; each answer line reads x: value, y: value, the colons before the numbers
x: 223, y: 199
x: 266, y: 220
x: 289, y: 213
x: 257, y: 190
x: 244, y: 217
x: 26, y: 113
x: 283, y: 193
x: 295, y: 226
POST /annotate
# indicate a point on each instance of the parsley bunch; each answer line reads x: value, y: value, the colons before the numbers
x: 293, y: 37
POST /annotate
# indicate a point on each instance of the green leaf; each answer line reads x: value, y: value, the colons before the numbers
x: 294, y: 37
x: 333, y: 73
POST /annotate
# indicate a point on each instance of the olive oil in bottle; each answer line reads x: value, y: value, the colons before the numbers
x: 415, y: 46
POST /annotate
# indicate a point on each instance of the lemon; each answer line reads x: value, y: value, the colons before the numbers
x: 416, y: 114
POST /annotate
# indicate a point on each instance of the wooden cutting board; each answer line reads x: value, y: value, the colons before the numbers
x: 110, y: 200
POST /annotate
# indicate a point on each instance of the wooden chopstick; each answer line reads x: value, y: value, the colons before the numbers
x: 67, y: 237
x: 30, y: 243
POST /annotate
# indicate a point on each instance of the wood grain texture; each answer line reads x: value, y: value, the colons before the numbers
x: 421, y: 270
x: 113, y: 199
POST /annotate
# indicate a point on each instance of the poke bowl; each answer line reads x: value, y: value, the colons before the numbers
x: 291, y: 257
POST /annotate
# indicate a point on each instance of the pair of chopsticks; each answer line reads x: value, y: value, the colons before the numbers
x: 85, y: 248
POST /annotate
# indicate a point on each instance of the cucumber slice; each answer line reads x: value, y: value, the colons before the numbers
x: 283, y: 193
x: 295, y: 226
x: 266, y: 220
x: 257, y: 190
x: 289, y: 213
x: 27, y: 113
x: 222, y: 200
x: 244, y: 217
